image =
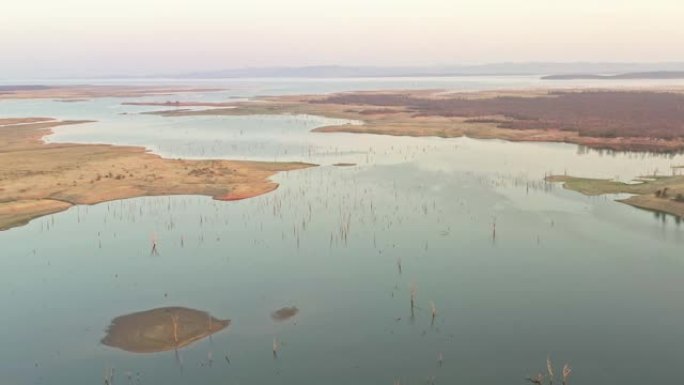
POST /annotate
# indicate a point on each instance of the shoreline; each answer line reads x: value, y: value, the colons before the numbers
x: 119, y: 172
x: 82, y: 93
x: 38, y: 178
x: 663, y: 194
x: 428, y: 113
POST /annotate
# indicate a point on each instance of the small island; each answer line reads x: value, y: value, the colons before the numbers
x: 161, y: 329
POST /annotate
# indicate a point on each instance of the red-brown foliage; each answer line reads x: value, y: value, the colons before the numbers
x: 593, y: 113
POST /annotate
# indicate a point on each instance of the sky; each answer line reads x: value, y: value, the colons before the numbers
x: 53, y: 38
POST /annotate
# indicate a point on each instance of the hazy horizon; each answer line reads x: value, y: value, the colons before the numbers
x: 40, y: 38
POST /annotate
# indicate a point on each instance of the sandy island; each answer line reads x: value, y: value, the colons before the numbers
x: 162, y: 329
x: 37, y: 179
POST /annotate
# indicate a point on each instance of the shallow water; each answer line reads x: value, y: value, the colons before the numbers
x: 583, y: 280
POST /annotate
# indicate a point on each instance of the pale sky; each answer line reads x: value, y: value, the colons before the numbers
x: 103, y: 37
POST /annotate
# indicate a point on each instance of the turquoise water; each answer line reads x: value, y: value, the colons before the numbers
x: 584, y: 280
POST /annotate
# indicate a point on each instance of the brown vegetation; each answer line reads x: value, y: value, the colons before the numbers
x: 38, y: 179
x: 615, y: 120
x: 604, y: 114
x: 378, y: 111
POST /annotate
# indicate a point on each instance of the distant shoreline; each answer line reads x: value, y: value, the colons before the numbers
x: 597, y: 119
x: 667, y: 75
x: 349, y: 71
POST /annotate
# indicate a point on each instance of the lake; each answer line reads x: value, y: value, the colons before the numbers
x: 514, y: 269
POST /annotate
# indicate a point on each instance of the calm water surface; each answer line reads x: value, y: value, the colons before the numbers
x: 586, y: 281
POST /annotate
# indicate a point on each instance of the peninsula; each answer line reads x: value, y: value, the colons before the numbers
x: 38, y: 179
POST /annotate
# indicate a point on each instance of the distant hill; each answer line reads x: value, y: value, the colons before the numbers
x: 494, y: 69
x: 629, y: 75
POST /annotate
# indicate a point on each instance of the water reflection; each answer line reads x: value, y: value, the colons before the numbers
x: 161, y: 329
